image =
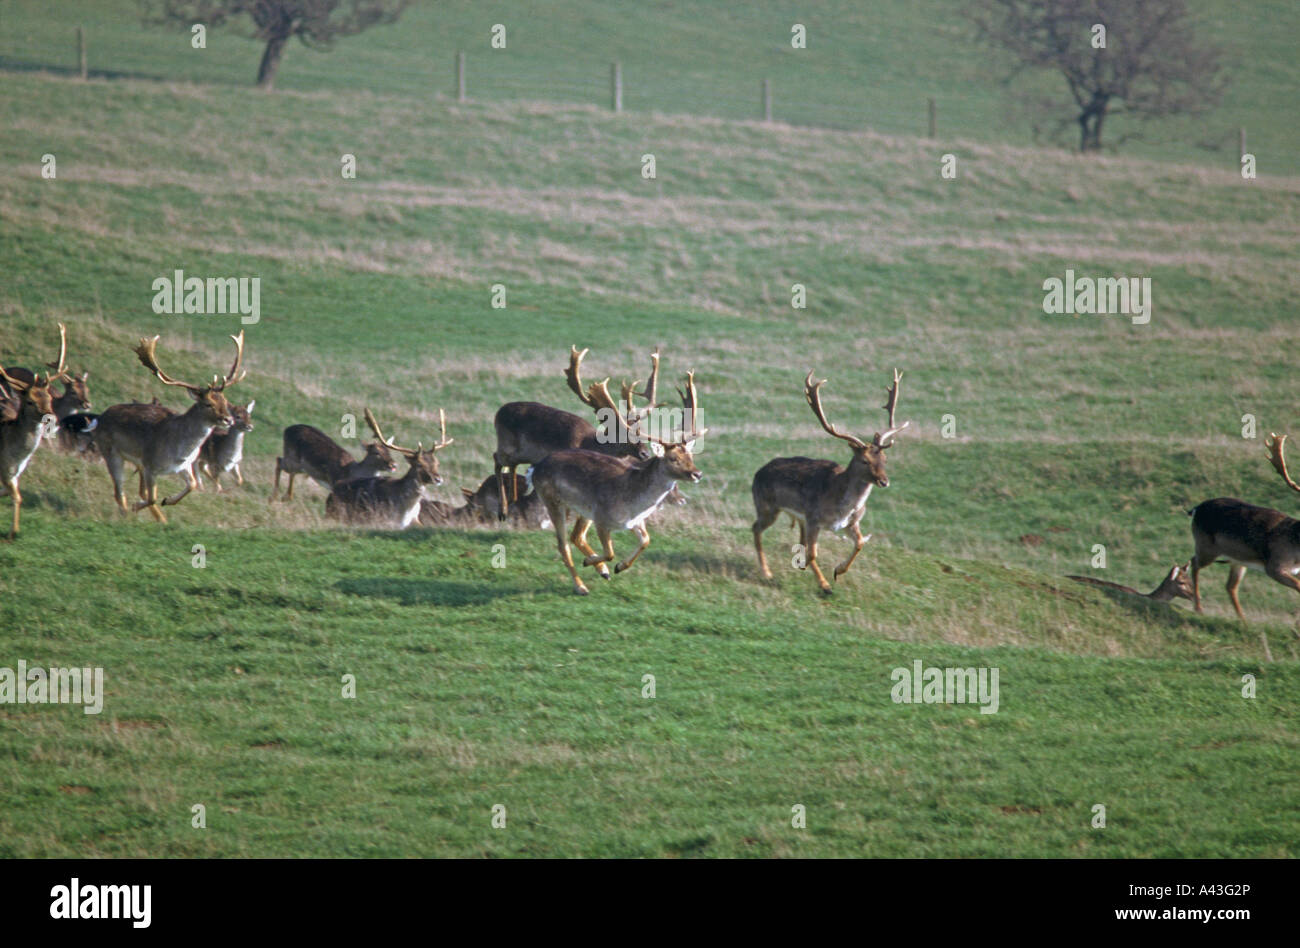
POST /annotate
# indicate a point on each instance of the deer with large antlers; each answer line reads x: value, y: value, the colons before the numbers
x: 29, y: 399
x: 391, y: 500
x: 160, y: 441
x: 611, y: 493
x: 821, y: 495
x: 1247, y: 537
x: 527, y: 432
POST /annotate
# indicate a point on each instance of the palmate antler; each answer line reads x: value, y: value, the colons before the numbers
x: 574, y: 376
x: 1275, y: 445
x: 419, y: 448
x: 812, y: 393
x: 147, y: 354
x: 886, y: 438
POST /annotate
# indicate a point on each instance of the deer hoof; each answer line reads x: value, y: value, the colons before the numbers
x: 580, y: 590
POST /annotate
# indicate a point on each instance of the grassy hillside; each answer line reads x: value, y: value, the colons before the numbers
x: 865, y: 66
x: 480, y: 685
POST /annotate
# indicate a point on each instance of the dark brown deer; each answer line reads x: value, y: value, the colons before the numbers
x: 610, y: 492
x: 389, y: 500
x: 484, y: 505
x: 1177, y: 584
x: 821, y: 495
x: 224, y: 450
x: 311, y: 452
x: 1247, y: 537
x: 529, y: 431
x: 31, y: 402
x: 160, y: 441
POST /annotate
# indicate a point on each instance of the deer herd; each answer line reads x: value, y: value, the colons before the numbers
x: 613, y: 474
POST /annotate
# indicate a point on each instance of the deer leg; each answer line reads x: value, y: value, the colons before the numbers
x: 606, y: 544
x: 500, y: 464
x: 191, y: 482
x: 514, y: 485
x: 859, y: 541
x: 812, y: 559
x: 239, y: 476
x: 114, y: 465
x: 579, y: 539
x: 289, y: 493
x: 11, y: 488
x: 562, y: 541
x: 765, y: 519
x: 152, y: 497
x: 1196, y: 581
x: 645, y: 542
x: 1235, y: 575
x: 275, y: 492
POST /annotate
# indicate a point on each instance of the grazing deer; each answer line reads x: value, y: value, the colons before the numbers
x: 382, y: 499
x: 1175, y: 585
x: 1247, y: 537
x: 313, y: 453
x: 160, y: 441
x: 21, y: 435
x: 528, y: 431
x: 610, y: 492
x: 223, y: 451
x: 821, y: 495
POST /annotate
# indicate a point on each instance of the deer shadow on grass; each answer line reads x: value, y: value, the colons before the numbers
x: 427, y: 592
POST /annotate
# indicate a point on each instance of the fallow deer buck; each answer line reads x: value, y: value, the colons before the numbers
x: 31, y: 401
x: 384, y: 499
x: 160, y: 441
x: 312, y: 453
x: 67, y: 408
x: 1177, y: 584
x: 610, y: 492
x: 527, y: 432
x: 1247, y: 537
x: 821, y: 495
x: 224, y: 450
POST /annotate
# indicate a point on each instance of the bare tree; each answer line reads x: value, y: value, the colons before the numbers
x: 316, y: 22
x: 1152, y: 64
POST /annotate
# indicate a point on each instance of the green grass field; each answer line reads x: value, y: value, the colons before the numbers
x: 479, y: 685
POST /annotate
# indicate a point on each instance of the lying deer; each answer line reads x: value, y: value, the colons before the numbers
x: 608, y: 491
x: 158, y: 440
x: 527, y: 432
x: 312, y: 452
x: 1175, y: 585
x: 1247, y: 537
x: 29, y: 399
x: 224, y: 450
x: 484, y: 505
x: 390, y: 500
x: 820, y: 495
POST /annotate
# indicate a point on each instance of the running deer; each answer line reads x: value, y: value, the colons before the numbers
x: 528, y: 431
x: 1247, y: 537
x: 31, y: 401
x: 160, y: 441
x: 610, y: 492
x: 383, y: 499
x: 224, y: 451
x: 820, y: 495
x: 311, y: 452
x: 1176, y: 585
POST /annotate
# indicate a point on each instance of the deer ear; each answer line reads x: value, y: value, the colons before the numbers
x: 656, y: 449
x: 1177, y: 570
x: 250, y: 406
x: 690, y: 446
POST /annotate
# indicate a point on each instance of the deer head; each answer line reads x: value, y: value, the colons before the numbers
x: 869, y: 456
x: 424, y: 464
x: 624, y: 432
x: 36, y: 392
x: 675, y: 454
x: 211, y: 398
